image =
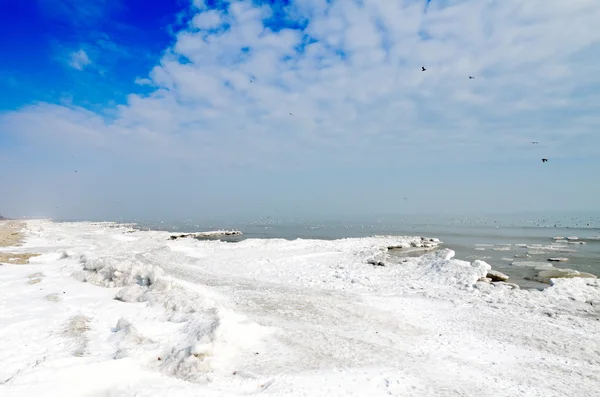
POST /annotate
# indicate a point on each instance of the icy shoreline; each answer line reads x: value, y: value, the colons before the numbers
x: 154, y: 315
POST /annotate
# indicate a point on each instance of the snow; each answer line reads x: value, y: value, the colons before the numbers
x: 106, y: 310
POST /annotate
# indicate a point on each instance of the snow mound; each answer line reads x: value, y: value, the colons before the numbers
x: 210, y: 337
x: 576, y: 289
x: 132, y: 293
x: 128, y: 340
x: 204, y: 337
x: 116, y: 271
x: 440, y: 268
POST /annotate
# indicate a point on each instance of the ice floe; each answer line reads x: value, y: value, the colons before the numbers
x: 546, y: 275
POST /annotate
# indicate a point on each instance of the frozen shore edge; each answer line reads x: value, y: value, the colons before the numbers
x: 214, y: 336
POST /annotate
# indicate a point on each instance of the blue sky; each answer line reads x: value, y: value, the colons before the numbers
x: 189, y: 102
x: 117, y: 41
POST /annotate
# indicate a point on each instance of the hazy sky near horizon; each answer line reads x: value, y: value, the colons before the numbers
x: 227, y: 108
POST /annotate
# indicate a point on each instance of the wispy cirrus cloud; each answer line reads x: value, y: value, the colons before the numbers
x: 81, y: 13
x: 99, y: 30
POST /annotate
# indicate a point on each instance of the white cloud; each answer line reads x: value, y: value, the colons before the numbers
x: 79, y: 60
x: 199, y: 4
x: 207, y: 20
x: 355, y: 89
x: 143, y: 81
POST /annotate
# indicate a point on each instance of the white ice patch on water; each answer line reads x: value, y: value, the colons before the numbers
x: 533, y: 264
x: 548, y: 275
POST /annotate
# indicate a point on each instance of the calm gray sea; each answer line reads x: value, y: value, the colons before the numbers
x: 499, y: 240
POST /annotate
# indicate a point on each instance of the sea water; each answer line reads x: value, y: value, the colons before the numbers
x: 500, y: 240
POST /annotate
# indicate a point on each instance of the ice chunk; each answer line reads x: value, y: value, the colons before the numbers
x: 445, y: 254
x: 132, y: 293
x: 531, y: 264
x: 546, y: 275
x: 496, y: 275
x: 117, y: 272
x: 440, y: 268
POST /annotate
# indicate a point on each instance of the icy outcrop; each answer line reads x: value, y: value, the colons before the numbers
x: 210, y: 234
x: 495, y: 275
x: 440, y: 268
x: 116, y: 271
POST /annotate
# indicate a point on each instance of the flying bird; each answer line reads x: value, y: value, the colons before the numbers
x: 535, y: 142
x: 423, y: 68
x: 291, y: 114
x: 471, y: 77
x: 544, y: 160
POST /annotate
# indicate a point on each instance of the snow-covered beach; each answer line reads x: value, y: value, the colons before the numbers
x: 107, y: 310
